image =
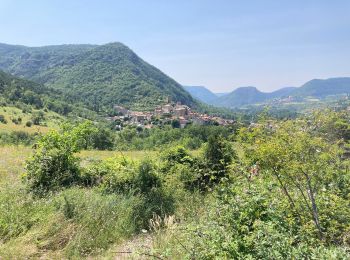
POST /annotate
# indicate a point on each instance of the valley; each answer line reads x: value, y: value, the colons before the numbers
x: 105, y: 156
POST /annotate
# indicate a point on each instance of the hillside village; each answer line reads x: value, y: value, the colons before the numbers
x: 163, y: 114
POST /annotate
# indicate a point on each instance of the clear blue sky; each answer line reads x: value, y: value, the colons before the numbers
x: 219, y: 44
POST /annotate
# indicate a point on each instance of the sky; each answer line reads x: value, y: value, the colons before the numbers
x: 221, y: 44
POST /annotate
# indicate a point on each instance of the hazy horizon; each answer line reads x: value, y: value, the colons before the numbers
x: 221, y: 46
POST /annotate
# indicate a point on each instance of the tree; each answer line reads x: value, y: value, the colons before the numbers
x: 175, y: 123
x: 300, y: 162
x: 218, y: 155
x: 54, y: 164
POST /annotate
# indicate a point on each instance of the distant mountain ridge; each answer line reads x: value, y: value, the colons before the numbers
x: 98, y: 75
x: 324, y: 87
x: 201, y: 93
x: 318, y: 88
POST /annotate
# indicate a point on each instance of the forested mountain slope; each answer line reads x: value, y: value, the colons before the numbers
x: 98, y: 75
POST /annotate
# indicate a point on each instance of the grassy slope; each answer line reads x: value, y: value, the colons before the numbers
x: 52, y: 121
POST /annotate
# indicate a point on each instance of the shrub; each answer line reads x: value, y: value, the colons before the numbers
x: 29, y: 123
x: 218, y: 155
x: 175, y: 124
x: 120, y: 176
x: 53, y: 164
x: 17, y: 137
x: 103, y: 139
x: 176, y: 155
x: 3, y: 119
x: 17, y: 121
x: 114, y: 175
x: 38, y: 117
x: 246, y: 222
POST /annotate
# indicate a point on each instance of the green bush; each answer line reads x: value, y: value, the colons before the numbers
x: 38, y: 118
x: 53, y: 164
x: 17, y: 137
x: 120, y: 176
x: 176, y: 155
x: 3, y: 119
x: 114, y: 175
x: 244, y: 223
x: 17, y: 121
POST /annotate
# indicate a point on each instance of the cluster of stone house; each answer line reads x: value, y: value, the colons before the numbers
x: 169, y: 111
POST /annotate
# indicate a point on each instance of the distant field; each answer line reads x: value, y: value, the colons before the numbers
x: 52, y: 121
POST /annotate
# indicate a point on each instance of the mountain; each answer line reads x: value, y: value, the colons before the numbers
x: 221, y: 94
x: 97, y: 75
x: 324, y: 87
x: 201, y: 93
x: 280, y: 93
x: 240, y: 97
x: 318, y: 88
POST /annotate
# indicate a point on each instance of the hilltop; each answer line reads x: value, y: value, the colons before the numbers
x: 324, y: 87
x: 97, y: 75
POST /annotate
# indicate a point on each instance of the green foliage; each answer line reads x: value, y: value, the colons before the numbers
x: 175, y: 124
x: 3, y: 119
x: 17, y: 137
x: 246, y: 222
x: 38, y: 118
x: 281, y: 193
x: 176, y: 155
x: 307, y: 169
x: 287, y: 197
x: 53, y: 164
x: 120, y: 176
x: 201, y: 172
x: 29, y: 123
x: 219, y: 154
x: 100, y: 220
x: 26, y: 95
x: 191, y: 137
x: 18, y: 212
x: 88, y: 135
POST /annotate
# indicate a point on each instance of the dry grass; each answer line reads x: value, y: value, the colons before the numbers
x: 12, y: 160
